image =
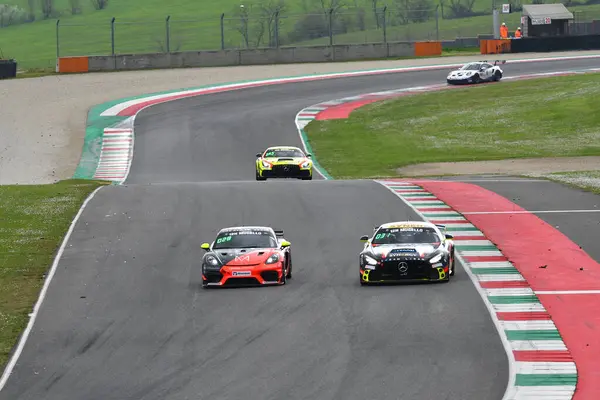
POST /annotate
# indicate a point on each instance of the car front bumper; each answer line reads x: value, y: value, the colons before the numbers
x: 286, y: 171
x: 416, y: 272
x: 244, y: 276
x: 460, y: 81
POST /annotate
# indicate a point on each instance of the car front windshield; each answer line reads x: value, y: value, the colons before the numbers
x: 283, y: 153
x: 408, y: 235
x: 244, y: 239
x: 471, y: 67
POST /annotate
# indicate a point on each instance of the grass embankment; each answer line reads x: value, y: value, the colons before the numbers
x: 141, y: 28
x: 35, y: 219
x: 558, y: 116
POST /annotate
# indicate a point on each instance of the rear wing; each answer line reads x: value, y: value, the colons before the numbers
x: 442, y: 227
x: 278, y: 233
x: 495, y: 62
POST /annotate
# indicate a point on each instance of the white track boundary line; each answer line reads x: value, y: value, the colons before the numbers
x: 15, y: 356
x: 300, y: 130
x: 512, y: 364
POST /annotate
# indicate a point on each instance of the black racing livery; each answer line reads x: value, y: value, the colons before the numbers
x: 407, y: 251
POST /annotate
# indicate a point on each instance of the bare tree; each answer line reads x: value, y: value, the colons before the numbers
x: 461, y: 8
x: 271, y: 13
x: 243, y: 14
x: 374, y: 4
x: 47, y: 8
x: 333, y: 5
x: 75, y: 7
x: 31, y: 10
x: 99, y: 4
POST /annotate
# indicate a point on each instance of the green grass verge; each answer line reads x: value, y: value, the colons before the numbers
x: 35, y: 219
x: 556, y: 116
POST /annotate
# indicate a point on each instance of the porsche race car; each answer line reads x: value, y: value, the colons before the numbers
x: 247, y: 255
x: 476, y: 72
x: 407, y: 251
x: 283, y: 162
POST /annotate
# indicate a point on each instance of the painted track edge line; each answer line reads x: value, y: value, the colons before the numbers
x: 33, y: 316
x: 307, y: 148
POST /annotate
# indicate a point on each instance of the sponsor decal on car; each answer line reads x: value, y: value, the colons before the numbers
x: 241, y: 273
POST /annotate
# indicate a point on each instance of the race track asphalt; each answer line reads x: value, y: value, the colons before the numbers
x: 125, y: 317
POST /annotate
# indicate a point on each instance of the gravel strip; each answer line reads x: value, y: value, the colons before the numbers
x: 43, y: 119
x: 522, y: 166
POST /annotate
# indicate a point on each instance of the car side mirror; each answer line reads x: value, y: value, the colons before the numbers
x: 449, y: 236
x: 364, y: 238
x: 285, y: 243
x: 258, y: 155
x: 205, y: 246
x: 308, y: 155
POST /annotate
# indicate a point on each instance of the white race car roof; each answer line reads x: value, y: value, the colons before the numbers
x: 284, y: 148
x: 409, y: 224
x: 248, y: 228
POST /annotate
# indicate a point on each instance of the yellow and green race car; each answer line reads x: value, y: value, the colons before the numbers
x: 283, y: 162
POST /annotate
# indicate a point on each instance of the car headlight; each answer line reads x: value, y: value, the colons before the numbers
x: 212, y: 263
x: 305, y: 164
x: 436, y: 259
x: 370, y: 262
x: 265, y: 164
x: 273, y: 259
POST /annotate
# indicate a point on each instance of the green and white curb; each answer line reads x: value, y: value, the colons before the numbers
x: 541, y: 366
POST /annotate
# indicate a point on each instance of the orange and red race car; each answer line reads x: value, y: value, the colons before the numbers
x: 247, y: 255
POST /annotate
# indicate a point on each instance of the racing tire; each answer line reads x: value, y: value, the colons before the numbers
x: 452, y: 264
x: 260, y: 178
x: 308, y: 178
x: 289, y: 274
x: 497, y: 76
x: 476, y: 78
x: 283, y: 276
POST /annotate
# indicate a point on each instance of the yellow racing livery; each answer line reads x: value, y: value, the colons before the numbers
x: 283, y: 162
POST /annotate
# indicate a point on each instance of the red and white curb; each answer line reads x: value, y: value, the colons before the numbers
x: 541, y: 366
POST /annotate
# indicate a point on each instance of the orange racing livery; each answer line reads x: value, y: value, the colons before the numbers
x: 247, y: 255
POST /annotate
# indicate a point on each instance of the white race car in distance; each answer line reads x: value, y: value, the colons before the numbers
x: 476, y: 72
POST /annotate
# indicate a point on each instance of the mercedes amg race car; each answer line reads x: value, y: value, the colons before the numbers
x: 247, y: 255
x: 407, y: 251
x: 283, y: 162
x: 476, y: 72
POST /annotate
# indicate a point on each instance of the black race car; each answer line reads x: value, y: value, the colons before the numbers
x: 407, y: 251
